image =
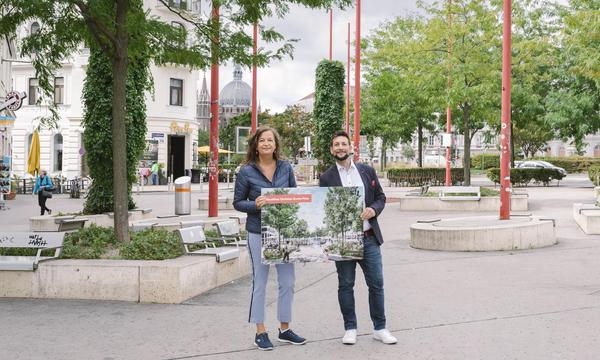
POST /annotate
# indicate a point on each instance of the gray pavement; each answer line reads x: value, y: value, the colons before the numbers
x: 532, y: 304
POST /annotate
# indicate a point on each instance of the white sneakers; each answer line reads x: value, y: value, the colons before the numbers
x: 349, y: 337
x: 382, y: 335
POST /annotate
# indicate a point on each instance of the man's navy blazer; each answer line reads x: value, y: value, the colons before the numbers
x: 374, y: 196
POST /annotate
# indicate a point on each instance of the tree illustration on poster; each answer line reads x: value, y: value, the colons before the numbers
x: 281, y: 216
x: 342, y: 212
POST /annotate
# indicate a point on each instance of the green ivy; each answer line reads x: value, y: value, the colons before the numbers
x: 328, y: 112
x: 97, y: 136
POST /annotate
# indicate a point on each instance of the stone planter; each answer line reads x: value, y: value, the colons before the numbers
x: 489, y: 203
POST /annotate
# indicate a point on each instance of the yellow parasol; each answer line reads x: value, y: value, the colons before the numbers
x: 33, y: 161
x: 206, y: 150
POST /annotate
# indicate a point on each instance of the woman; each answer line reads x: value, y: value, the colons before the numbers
x: 264, y: 168
x: 43, y: 182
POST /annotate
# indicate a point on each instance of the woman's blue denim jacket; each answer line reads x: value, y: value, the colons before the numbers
x: 248, y: 183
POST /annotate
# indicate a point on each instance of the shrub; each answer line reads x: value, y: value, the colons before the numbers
x: 522, y: 177
x: 152, y: 245
x: 572, y: 164
x: 594, y: 174
x: 422, y: 176
x: 88, y: 243
x: 485, y: 161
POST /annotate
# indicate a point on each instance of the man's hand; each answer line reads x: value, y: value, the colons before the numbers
x: 367, y: 213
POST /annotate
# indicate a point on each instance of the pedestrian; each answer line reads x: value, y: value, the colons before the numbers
x: 155, y: 169
x: 265, y: 168
x: 347, y: 173
x: 43, y: 188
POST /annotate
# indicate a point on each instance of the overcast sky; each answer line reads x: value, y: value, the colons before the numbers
x: 287, y: 81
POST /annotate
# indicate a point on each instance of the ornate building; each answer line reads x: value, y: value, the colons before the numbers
x: 203, y: 107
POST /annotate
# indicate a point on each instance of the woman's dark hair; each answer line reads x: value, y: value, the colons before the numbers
x: 252, y: 154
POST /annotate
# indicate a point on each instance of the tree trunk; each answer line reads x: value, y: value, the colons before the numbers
x: 420, y: 144
x: 467, y: 146
x: 119, y: 138
x: 383, y: 155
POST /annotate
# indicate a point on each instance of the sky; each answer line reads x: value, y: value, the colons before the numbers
x: 285, y: 82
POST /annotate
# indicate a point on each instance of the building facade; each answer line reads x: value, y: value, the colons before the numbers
x: 235, y: 98
x: 171, y: 112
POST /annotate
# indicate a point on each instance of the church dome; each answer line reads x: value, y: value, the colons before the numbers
x: 237, y: 92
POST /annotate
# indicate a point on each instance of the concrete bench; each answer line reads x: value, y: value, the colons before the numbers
x: 229, y: 231
x: 70, y: 224
x: 422, y: 190
x: 40, y: 241
x: 459, y: 193
x: 195, y: 236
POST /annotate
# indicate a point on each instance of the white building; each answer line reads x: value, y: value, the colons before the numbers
x: 171, y: 112
x: 7, y: 52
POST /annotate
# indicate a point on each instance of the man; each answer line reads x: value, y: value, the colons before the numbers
x: 154, y: 170
x: 346, y: 173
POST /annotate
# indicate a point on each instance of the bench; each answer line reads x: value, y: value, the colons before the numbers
x: 422, y: 190
x: 454, y: 193
x: 195, y: 236
x: 39, y: 240
x: 229, y: 232
x: 71, y: 224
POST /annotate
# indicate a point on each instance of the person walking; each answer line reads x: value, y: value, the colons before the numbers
x: 154, y: 170
x: 43, y: 188
x: 347, y: 173
x: 265, y: 168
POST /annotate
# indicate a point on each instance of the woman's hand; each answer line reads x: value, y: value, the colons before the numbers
x: 260, y: 201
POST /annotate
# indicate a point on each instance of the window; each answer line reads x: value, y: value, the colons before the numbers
x: 33, y: 91
x: 59, y: 90
x: 180, y: 31
x: 431, y: 140
x: 180, y: 4
x: 35, y: 27
x: 58, y: 152
x: 176, y: 93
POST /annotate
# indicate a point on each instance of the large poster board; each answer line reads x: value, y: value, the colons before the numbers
x: 312, y: 224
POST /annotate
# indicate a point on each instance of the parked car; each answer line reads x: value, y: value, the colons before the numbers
x: 539, y: 164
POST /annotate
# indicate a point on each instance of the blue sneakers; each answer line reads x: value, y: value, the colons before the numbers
x: 291, y: 337
x: 263, y: 342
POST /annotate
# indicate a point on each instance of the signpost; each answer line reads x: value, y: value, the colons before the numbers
x: 13, y: 101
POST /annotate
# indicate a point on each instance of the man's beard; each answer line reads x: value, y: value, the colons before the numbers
x: 341, y: 158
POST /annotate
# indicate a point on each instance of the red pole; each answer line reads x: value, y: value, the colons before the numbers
x: 254, y: 51
x: 357, y: 86
x: 213, y: 179
x: 505, y: 128
x: 348, y: 86
x: 330, y: 34
x: 449, y: 109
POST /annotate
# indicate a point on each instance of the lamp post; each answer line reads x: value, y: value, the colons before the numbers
x: 505, y: 188
x: 357, y: 86
x: 213, y: 176
x: 254, y: 52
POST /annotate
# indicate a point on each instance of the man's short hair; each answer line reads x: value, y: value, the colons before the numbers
x: 338, y: 134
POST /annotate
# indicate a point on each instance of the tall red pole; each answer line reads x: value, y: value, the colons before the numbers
x: 449, y: 109
x: 348, y: 86
x: 213, y: 178
x: 330, y: 34
x: 357, y: 86
x: 254, y: 52
x: 505, y: 188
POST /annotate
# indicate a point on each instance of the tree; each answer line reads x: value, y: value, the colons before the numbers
x: 122, y: 29
x: 280, y: 216
x: 328, y: 112
x: 294, y: 124
x: 342, y: 210
x: 227, y: 133
x: 203, y: 137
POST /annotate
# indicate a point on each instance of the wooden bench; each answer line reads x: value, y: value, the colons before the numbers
x: 229, y: 232
x: 195, y: 236
x: 39, y: 240
x: 457, y: 193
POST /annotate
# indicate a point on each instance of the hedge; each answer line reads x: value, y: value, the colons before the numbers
x: 422, y: 176
x: 486, y: 161
x: 594, y: 174
x: 522, y: 177
x: 573, y: 164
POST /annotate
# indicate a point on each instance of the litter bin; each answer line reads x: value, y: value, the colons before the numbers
x: 183, y: 195
x: 195, y: 176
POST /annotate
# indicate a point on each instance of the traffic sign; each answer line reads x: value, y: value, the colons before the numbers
x: 13, y: 101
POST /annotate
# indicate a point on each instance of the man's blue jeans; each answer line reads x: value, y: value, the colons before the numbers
x: 154, y: 179
x: 372, y: 268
